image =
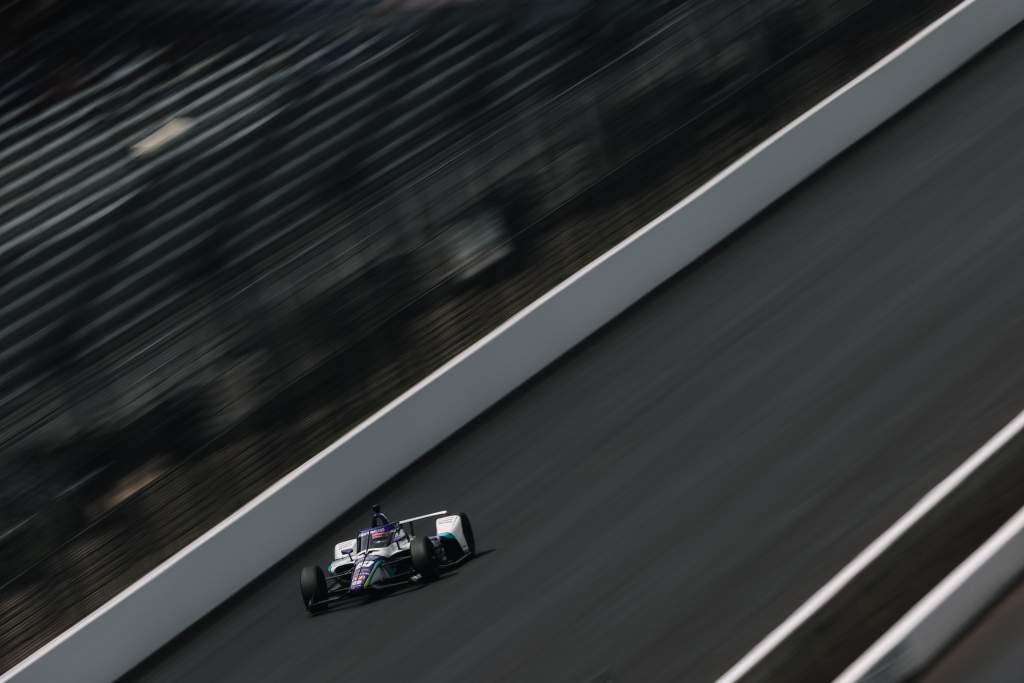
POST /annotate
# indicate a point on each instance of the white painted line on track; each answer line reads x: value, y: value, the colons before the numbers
x: 905, y: 627
x: 873, y: 551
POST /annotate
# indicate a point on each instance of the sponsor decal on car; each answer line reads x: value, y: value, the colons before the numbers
x: 361, y: 576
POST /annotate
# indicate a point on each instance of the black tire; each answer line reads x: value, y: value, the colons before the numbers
x: 467, y: 531
x: 423, y: 559
x: 313, y: 584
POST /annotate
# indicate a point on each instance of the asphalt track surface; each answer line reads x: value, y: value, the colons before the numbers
x: 991, y: 652
x: 665, y: 495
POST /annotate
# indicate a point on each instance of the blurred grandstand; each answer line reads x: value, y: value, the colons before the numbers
x: 230, y: 230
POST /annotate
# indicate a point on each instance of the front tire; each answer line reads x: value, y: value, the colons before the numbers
x: 313, y: 584
x: 424, y: 558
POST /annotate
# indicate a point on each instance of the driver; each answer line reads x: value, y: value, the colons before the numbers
x: 379, y: 518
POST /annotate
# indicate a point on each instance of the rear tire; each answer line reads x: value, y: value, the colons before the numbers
x: 313, y: 584
x: 423, y: 558
x: 467, y: 531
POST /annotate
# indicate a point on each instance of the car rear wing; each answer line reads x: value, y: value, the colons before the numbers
x: 441, y: 513
x: 412, y: 528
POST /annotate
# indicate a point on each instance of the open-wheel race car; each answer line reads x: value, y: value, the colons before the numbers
x: 389, y: 554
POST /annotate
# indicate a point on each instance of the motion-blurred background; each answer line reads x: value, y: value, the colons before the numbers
x: 231, y: 230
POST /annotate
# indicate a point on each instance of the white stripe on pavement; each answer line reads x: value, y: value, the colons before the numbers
x: 873, y: 551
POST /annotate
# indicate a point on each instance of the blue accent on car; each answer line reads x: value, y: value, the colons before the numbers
x: 363, y: 572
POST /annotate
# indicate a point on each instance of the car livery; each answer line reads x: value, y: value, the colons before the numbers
x: 389, y: 555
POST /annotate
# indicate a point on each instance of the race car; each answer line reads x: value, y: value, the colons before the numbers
x: 386, y: 555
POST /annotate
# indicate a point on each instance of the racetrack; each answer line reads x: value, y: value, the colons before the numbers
x: 668, y: 493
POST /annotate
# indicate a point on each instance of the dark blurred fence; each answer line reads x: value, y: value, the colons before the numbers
x: 345, y: 205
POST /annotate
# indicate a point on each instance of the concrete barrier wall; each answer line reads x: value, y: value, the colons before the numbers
x: 207, y: 572
x: 933, y: 624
